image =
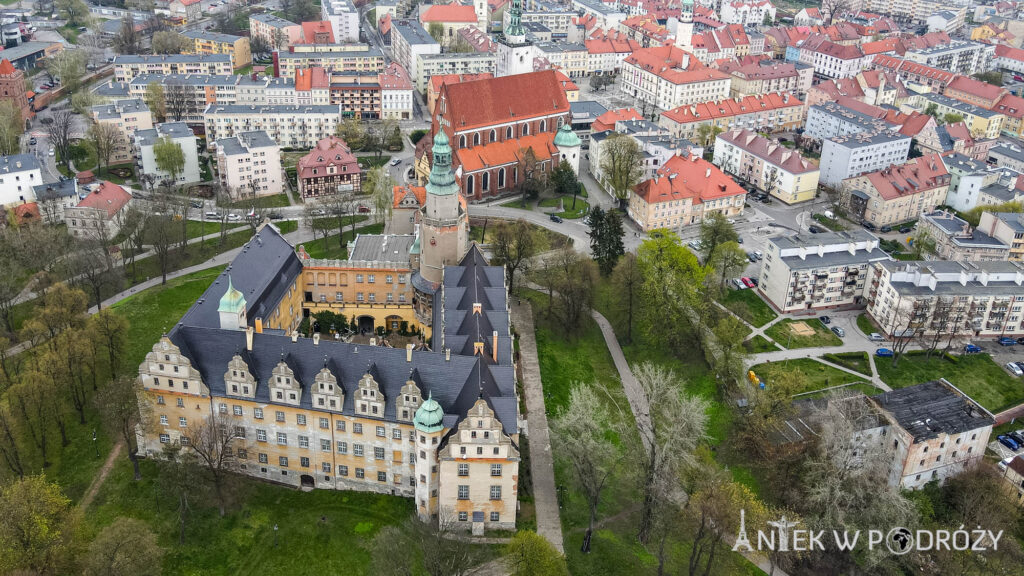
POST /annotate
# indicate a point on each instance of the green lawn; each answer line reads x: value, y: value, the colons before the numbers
x: 273, y: 201
x: 865, y: 325
x: 830, y: 223
x: 818, y: 375
x: 781, y: 333
x: 853, y: 360
x: 330, y: 249
x: 372, y: 161
x: 570, y: 213
x: 759, y: 344
x: 976, y: 374
x: 747, y: 304
x: 862, y: 387
x: 517, y: 204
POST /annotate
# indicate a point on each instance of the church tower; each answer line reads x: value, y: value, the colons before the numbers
x: 12, y: 87
x: 684, y: 31
x: 482, y: 21
x: 444, y: 228
x: 515, y: 52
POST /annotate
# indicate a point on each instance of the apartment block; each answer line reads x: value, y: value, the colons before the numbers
x: 832, y: 120
x: 179, y: 133
x: 344, y: 19
x: 763, y: 113
x: 129, y: 117
x: 290, y: 126
x: 768, y: 165
x: 19, y: 173
x: 275, y: 31
x: 206, y: 42
x: 249, y: 165
x: 128, y: 66
x: 1006, y: 227
x: 682, y: 192
x: 848, y: 156
x: 959, y: 56
x: 768, y: 76
x: 897, y: 193
x: 433, y: 64
x: 360, y: 58
x: 956, y: 239
x: 668, y: 77
x: 982, y: 123
x: 409, y: 42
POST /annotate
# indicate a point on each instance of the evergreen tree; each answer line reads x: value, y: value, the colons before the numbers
x: 606, y: 234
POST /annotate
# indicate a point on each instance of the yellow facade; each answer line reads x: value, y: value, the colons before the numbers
x: 241, y: 55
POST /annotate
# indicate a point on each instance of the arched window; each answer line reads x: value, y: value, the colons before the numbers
x: 526, y: 129
x: 469, y: 185
x: 485, y: 181
x: 476, y: 139
x: 508, y: 133
x: 561, y: 121
x: 543, y: 125
x: 462, y: 141
x: 494, y: 135
x: 501, y: 178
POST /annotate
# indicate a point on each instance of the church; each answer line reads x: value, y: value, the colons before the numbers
x: 437, y: 423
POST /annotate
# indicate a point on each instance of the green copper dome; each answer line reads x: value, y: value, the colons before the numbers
x: 441, y: 180
x: 232, y: 301
x: 429, y: 416
x: 566, y: 138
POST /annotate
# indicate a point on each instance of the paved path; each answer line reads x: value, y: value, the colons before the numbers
x: 542, y: 467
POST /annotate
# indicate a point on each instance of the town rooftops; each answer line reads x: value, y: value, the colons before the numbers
x: 369, y: 52
x: 865, y: 139
x: 687, y: 178
x: 53, y: 190
x: 769, y: 150
x: 381, y: 250
x: 273, y: 109
x: 493, y: 101
x: 960, y: 106
x: 244, y: 142
x: 674, y: 65
x: 108, y: 197
x: 18, y: 163
x: 956, y: 278
x: 918, y: 175
x: 170, y: 130
x: 119, y: 109
x: 960, y: 232
x: 933, y: 408
x: 211, y: 36
x: 272, y: 20
x: 730, y: 107
x: 449, y: 13
x: 172, y: 58
x: 412, y: 32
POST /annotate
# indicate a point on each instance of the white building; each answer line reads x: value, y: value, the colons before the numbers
x: 128, y: 66
x: 180, y: 134
x: 607, y: 16
x: 97, y: 214
x: 747, y: 12
x: 768, y: 165
x: 849, y: 156
x: 669, y: 77
x: 410, y: 41
x: 832, y: 120
x: 395, y: 93
x: 344, y: 19
x: 946, y: 21
x: 514, y: 51
x: 18, y: 174
x: 290, y: 126
x: 959, y: 56
x: 430, y: 65
x: 249, y: 165
x: 1008, y: 228
x: 818, y: 271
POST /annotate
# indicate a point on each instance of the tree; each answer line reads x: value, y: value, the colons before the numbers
x: 119, y: 405
x: 626, y: 280
x: 105, y: 138
x: 180, y: 478
x: 12, y: 126
x: 729, y: 259
x: 10, y: 447
x: 168, y: 42
x: 177, y: 99
x: 125, y: 548
x: 300, y: 10
x: 922, y: 243
x: 128, y: 38
x: 160, y: 232
x: 169, y: 157
x: 570, y: 278
x: 38, y: 525
x: 670, y: 293
x: 436, y: 31
x: 59, y: 133
x: 714, y: 512
x: 259, y: 45
x: 832, y: 8
x: 215, y: 441
x: 973, y: 216
x: 108, y: 329
x: 933, y: 111
x: 31, y: 399
x: 606, y: 235
x: 388, y: 555
x: 670, y: 426
x: 441, y: 555
x: 380, y: 185
x: 715, y: 230
x: 68, y: 66
x: 155, y: 101
x: 725, y: 352
x: 952, y: 119
x: 621, y: 165
x: 706, y: 134
x: 75, y: 12
x: 10, y: 288
x: 564, y: 181
x: 514, y: 245
x: 767, y: 21
x: 584, y: 430
x: 994, y: 77
x: 527, y: 165
x: 353, y: 132
x: 530, y: 554
x: 772, y: 180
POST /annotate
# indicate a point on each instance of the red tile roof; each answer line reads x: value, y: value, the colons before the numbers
x: 400, y: 192
x: 308, y: 79
x: 913, y: 125
x: 329, y: 151
x: 394, y: 77
x: 310, y: 30
x: 494, y: 100
x: 6, y: 68
x: 608, y: 120
x: 687, y: 178
x: 506, y: 152
x: 439, y: 80
x: 881, y: 46
x: 974, y: 87
x: 601, y: 42
x: 731, y: 107
x: 667, y: 62
x: 960, y: 131
x: 789, y: 160
x: 1010, y: 105
x: 904, y: 67
x: 840, y: 87
x: 813, y: 13
x: 565, y: 82
x: 107, y: 196
x: 1002, y: 51
x: 918, y: 175
x: 449, y: 13
x: 27, y: 213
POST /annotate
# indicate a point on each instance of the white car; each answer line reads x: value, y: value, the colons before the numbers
x: 1014, y: 369
x: 396, y: 161
x: 51, y: 151
x: 1005, y: 462
x: 234, y: 217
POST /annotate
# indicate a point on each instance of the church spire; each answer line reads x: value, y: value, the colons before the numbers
x: 441, y: 180
x: 514, y: 30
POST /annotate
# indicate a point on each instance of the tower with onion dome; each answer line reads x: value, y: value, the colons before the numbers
x: 444, y: 226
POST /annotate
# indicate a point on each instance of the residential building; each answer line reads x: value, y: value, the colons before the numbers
x: 462, y: 63
x: 982, y: 123
x: 54, y: 198
x: 606, y: 52
x: 897, y: 193
x: 683, y: 192
x: 1009, y: 59
x: 836, y: 120
x: 668, y: 77
x: 1009, y: 187
x: 911, y: 72
x: 319, y: 32
x: 952, y: 298
x: 129, y: 117
x: 205, y: 42
x: 946, y: 20
x: 395, y: 93
x: 937, y: 432
x: 179, y: 133
x: 954, y: 137
x: 808, y: 17
x: 329, y: 168
x: 128, y: 66
x: 656, y: 145
x: 765, y: 112
x: 1011, y: 107
x: 410, y: 41
x: 274, y: 30
x: 97, y: 214
x: 19, y: 173
x: 956, y: 239
x: 12, y: 88
x: 187, y: 10
x: 344, y: 19
x: 1007, y: 155
x: 360, y: 58
x: 407, y: 203
x: 848, y: 156
x: 290, y: 126
x: 731, y: 41
x: 818, y: 271
x: 832, y: 60
x: 766, y: 76
x: 959, y: 56
x: 974, y: 91
x: 584, y: 114
x: 1006, y: 227
x: 451, y: 18
x: 766, y: 164
x: 249, y: 165
x: 747, y: 12
x: 968, y: 177
x: 606, y: 16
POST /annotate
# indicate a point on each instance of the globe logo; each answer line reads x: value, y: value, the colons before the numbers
x: 899, y: 541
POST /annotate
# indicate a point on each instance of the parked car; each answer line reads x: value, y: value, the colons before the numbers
x: 234, y: 217
x: 275, y: 216
x: 195, y: 204
x: 739, y: 284
x: 813, y: 229
x: 839, y: 331
x: 971, y: 349
x: 1007, y: 341
x: 739, y: 239
x: 1005, y: 462
x: 32, y: 141
x: 396, y: 162
x: 759, y: 254
x: 747, y: 282
x: 1017, y: 437
x: 1020, y: 340
x: 362, y: 209
x: 751, y: 257
x: 905, y: 229
x: 555, y: 218
x: 1020, y: 364
x: 867, y: 225
x: 883, y: 353
x: 1014, y: 369
x: 825, y: 320
x: 213, y: 215
x: 876, y: 337
x: 51, y: 151
x: 1008, y: 442
x: 885, y: 229
x: 754, y: 280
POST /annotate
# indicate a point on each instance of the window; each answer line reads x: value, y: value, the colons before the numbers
x: 396, y: 434
x: 163, y: 419
x: 357, y: 450
x: 342, y: 470
x: 463, y: 469
x: 463, y: 516
x: 495, y: 492
x: 357, y: 428
x: 182, y: 421
x: 240, y: 432
x: 261, y: 435
x: 495, y: 517
x: 304, y: 462
x: 360, y: 473
x: 282, y: 461
x: 325, y: 445
x: 279, y: 416
x: 164, y: 438
x: 257, y: 413
x: 262, y: 458
x: 222, y: 408
x: 382, y: 476
x: 325, y: 467
x: 495, y: 469
x: 325, y: 423
x: 282, y: 439
x: 303, y: 441
x: 463, y: 491
x: 243, y: 454
x: 236, y: 410
x: 339, y: 425
x: 181, y: 403
x: 380, y: 431
x: 160, y: 400
x: 300, y: 419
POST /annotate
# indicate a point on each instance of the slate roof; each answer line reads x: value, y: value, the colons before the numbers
x: 933, y: 408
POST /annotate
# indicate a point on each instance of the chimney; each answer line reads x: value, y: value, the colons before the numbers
x: 259, y: 325
x: 248, y: 338
x: 494, y: 346
x: 408, y: 352
x: 316, y: 338
x: 447, y: 354
x: 295, y: 335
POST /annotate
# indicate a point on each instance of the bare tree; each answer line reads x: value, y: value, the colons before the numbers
x: 513, y: 245
x: 180, y: 478
x: 832, y: 8
x: 9, y: 444
x: 59, y: 133
x: 105, y: 139
x: 119, y: 404
x: 626, y: 279
x: 216, y: 442
x: 128, y: 39
x: 621, y: 165
x: 570, y: 278
x: 178, y: 100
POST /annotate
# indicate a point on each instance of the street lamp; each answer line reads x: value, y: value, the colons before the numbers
x: 95, y: 446
x: 275, y: 535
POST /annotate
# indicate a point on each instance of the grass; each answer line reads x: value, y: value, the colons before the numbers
x: 244, y: 70
x: 516, y: 204
x: 816, y: 374
x: 853, y: 360
x: 273, y: 201
x: 570, y: 213
x: 332, y: 251
x: 372, y: 161
x: 977, y: 375
x: 865, y: 325
x: 554, y: 239
x: 780, y: 332
x: 862, y: 387
x: 759, y: 344
x: 747, y: 304
x: 830, y: 223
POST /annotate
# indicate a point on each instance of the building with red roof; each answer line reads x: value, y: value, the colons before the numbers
x: 808, y: 17
x: 329, y: 168
x: 1009, y: 58
x: 766, y: 76
x: 607, y: 50
x: 765, y: 163
x: 571, y: 89
x: 319, y: 32
x: 913, y: 72
x: 771, y: 112
x: 406, y: 202
x: 898, y: 193
x: 608, y: 120
x: 12, y: 88
x: 683, y: 192
x: 439, y: 80
x: 27, y: 214
x: 646, y: 30
x: 668, y: 77
x: 95, y: 216
x: 974, y: 91
x: 451, y: 18
x: 1011, y: 106
x: 730, y: 41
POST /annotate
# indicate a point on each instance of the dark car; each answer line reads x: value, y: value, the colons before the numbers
x: 825, y: 320
x: 905, y: 229
x: 1017, y: 437
x: 32, y: 141
x: 885, y: 229
x: 867, y: 225
x: 813, y: 229
x: 1020, y: 340
x: 971, y: 349
x: 195, y: 204
x: 1008, y: 442
x: 1007, y: 341
x: 751, y: 257
x: 555, y: 218
x: 275, y: 216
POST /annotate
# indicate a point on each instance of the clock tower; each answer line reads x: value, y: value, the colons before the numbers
x: 515, y: 52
